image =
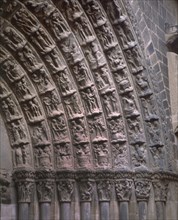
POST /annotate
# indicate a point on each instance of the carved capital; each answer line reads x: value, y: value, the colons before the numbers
x: 65, y: 190
x: 123, y: 189
x: 86, y: 190
x: 45, y: 190
x: 25, y: 190
x: 142, y: 189
x: 160, y: 190
x: 104, y: 190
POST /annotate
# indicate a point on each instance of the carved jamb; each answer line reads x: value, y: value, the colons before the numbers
x: 65, y: 190
x: 142, y: 189
x: 104, y: 190
x: 4, y: 186
x: 123, y: 189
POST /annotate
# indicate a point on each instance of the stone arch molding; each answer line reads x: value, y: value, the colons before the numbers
x: 75, y: 96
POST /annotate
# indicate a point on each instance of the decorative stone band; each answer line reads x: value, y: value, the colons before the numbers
x: 24, y: 180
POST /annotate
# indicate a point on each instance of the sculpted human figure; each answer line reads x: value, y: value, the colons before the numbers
x: 59, y: 128
x: 129, y: 105
x: 78, y: 130
x: 9, y: 108
x: 23, y: 89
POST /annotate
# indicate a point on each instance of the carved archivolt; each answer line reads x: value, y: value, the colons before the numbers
x: 75, y: 92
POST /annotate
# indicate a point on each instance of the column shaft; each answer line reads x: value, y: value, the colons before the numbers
x: 65, y: 211
x: 86, y: 211
x: 45, y: 211
x: 142, y: 208
x: 123, y: 211
x: 104, y: 211
x: 23, y: 211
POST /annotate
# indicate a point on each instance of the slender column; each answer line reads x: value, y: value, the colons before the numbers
x: 160, y: 193
x: 85, y: 191
x: 45, y: 188
x: 65, y: 190
x: 104, y: 191
x: 142, y: 192
x: 123, y: 189
x: 25, y: 185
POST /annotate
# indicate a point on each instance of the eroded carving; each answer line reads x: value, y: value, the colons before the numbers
x: 43, y: 157
x: 63, y: 155
x: 142, y: 189
x: 65, y: 190
x: 101, y: 154
x: 79, y: 131
x: 97, y: 128
x: 25, y: 190
x: 83, y: 155
x: 45, y: 190
x: 120, y: 156
x: 104, y: 190
x: 123, y: 189
x: 85, y: 190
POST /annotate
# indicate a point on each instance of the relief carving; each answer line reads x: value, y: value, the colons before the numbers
x: 115, y: 59
x: 120, y: 156
x: 64, y: 82
x: 129, y: 106
x: 83, y: 155
x: 104, y: 190
x: 157, y: 153
x: 86, y: 190
x: 123, y: 190
x: 3, y: 91
x: 91, y: 102
x: 45, y: 190
x: 142, y: 189
x: 10, y: 109
x: 43, y: 156
x: 139, y: 157
x: 143, y: 85
x: 32, y: 110
x: 78, y: 131
x: 65, y: 190
x: 97, y: 128
x: 160, y: 190
x: 154, y: 133
x: 73, y: 106
x: 124, y: 86
x: 117, y: 132
x: 101, y: 154
x: 21, y: 156
x: 59, y: 129
x: 25, y: 189
x: 52, y: 103
x: 63, y: 155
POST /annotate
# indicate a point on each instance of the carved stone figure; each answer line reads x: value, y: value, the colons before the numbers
x: 58, y: 126
x: 63, y: 155
x: 65, y: 190
x: 10, y: 109
x: 142, y: 189
x: 25, y: 21
x: 23, y: 89
x: 64, y: 83
x: 52, y: 102
x: 104, y: 190
x: 78, y: 131
x: 82, y: 30
x: 115, y: 59
x: 22, y: 155
x: 83, y: 155
x: 123, y: 189
x: 18, y: 132
x: 43, y: 42
x: 29, y: 59
x: 143, y: 85
x: 117, y: 132
x: 73, y: 106
x: 39, y: 134
x: 43, y: 157
x: 129, y: 106
x: 96, y: 14
x: 82, y: 75
x: 3, y: 91
x: 120, y: 156
x: 125, y: 87
x: 25, y: 190
x: 97, y: 127
x: 157, y: 155
x: 91, y: 102
x: 139, y: 156
x: 110, y: 104
x: 13, y: 39
x: 57, y: 26
x: 12, y: 70
x: 135, y: 131
x: 32, y: 110
x: 154, y: 133
x: 45, y: 191
x: 106, y: 37
x: 101, y: 154
x: 54, y: 60
x: 42, y: 80
x: 85, y: 190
